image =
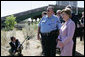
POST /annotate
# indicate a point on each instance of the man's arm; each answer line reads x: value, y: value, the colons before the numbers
x: 58, y: 23
x: 38, y: 37
x: 18, y: 42
x: 39, y: 25
x: 12, y: 47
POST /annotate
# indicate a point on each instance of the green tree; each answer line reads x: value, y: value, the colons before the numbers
x: 10, y: 22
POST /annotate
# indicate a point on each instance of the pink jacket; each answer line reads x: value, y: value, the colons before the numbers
x: 66, y: 35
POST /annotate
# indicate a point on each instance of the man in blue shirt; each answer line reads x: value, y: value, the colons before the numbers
x: 49, y: 27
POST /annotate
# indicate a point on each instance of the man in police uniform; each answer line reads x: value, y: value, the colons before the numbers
x: 49, y: 27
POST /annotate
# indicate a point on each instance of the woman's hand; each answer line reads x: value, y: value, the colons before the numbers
x: 60, y: 44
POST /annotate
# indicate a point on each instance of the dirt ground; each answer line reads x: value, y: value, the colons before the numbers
x: 32, y: 47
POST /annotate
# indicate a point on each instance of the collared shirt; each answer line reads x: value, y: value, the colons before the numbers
x: 58, y: 17
x: 47, y: 24
x: 14, y: 43
x: 61, y: 19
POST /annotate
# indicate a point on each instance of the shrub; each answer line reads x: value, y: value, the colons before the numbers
x: 10, y: 22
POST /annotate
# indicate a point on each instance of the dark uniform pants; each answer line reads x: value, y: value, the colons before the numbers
x: 49, y: 44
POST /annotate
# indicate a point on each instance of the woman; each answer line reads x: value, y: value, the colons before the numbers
x: 65, y: 42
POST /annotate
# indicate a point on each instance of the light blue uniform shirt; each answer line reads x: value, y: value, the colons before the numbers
x: 48, y: 24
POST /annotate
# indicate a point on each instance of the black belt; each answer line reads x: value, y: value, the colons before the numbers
x: 45, y: 34
x: 50, y: 33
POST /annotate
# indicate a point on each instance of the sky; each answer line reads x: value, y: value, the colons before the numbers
x: 12, y: 7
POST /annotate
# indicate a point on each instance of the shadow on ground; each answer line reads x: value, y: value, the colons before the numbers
x: 78, y: 54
